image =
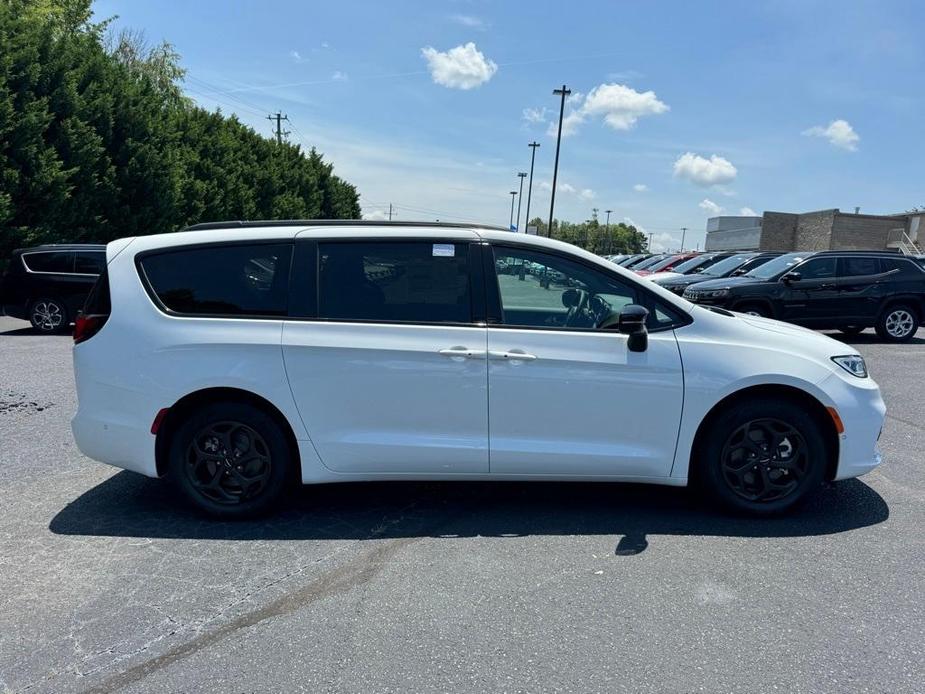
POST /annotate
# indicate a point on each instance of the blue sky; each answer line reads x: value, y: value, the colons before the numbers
x: 680, y: 108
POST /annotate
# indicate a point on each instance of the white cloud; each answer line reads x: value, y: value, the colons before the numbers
x: 641, y: 188
x: 839, y: 133
x: 469, y: 21
x: 535, y: 115
x: 566, y: 188
x: 325, y: 44
x: 748, y: 212
x: 339, y: 76
x: 660, y: 242
x: 587, y: 194
x: 704, y: 172
x: 711, y: 207
x: 296, y: 57
x: 619, y: 106
x: 463, y: 67
x: 376, y: 215
x: 569, y: 189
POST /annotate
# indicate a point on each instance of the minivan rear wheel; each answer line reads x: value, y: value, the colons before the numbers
x: 231, y: 460
x: 897, y: 323
x: 48, y: 316
x: 762, y: 458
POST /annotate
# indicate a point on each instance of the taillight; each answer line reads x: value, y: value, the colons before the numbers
x: 86, y: 326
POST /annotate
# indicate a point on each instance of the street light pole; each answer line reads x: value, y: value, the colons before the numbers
x: 532, y: 146
x: 683, y: 234
x: 564, y: 92
x: 513, y: 195
x: 520, y: 196
x: 607, y: 231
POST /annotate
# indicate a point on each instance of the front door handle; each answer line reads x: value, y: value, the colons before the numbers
x: 462, y: 352
x: 512, y: 355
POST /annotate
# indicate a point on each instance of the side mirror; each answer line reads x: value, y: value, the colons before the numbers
x: 632, y: 322
x: 792, y: 277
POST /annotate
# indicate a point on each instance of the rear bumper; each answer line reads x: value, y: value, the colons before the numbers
x: 114, y: 442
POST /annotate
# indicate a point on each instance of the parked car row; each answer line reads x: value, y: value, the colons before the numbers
x: 844, y: 290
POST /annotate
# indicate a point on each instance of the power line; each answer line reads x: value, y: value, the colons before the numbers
x: 279, y: 118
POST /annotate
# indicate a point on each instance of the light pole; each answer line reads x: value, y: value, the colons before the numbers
x: 564, y: 92
x: 607, y: 231
x: 532, y: 146
x: 683, y: 234
x: 513, y: 195
x: 520, y: 196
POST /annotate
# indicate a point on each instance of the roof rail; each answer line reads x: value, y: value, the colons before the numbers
x: 241, y: 224
x: 880, y: 251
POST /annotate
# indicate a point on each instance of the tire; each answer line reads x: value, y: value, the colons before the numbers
x: 214, y: 480
x: 851, y: 330
x: 735, y: 439
x: 897, y: 323
x: 48, y: 316
x: 759, y: 310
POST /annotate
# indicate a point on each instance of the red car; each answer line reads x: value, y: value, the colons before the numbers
x: 666, y: 265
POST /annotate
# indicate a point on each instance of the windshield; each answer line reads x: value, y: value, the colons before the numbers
x: 661, y: 265
x: 648, y: 262
x: 693, y: 263
x: 727, y: 265
x: 772, y: 268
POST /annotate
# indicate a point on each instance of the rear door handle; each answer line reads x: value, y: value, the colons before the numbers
x: 512, y: 355
x: 463, y: 352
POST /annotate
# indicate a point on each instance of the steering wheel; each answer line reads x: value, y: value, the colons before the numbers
x: 577, y: 308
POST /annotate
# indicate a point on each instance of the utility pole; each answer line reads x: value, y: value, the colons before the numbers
x: 520, y: 196
x: 533, y: 145
x: 683, y: 234
x: 649, y: 244
x: 279, y: 118
x: 390, y: 212
x: 607, y: 231
x: 564, y: 92
x: 513, y: 195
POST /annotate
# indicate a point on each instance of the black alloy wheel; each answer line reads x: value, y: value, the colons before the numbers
x: 231, y: 460
x: 764, y: 460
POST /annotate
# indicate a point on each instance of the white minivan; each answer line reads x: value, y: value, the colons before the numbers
x: 239, y: 359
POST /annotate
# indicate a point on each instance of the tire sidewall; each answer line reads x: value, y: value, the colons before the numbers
x: 709, y: 464
x: 65, y: 321
x: 881, y: 322
x: 281, y: 459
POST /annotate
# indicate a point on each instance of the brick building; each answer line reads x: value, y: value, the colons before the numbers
x: 816, y: 231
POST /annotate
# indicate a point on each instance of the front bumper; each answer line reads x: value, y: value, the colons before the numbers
x: 862, y: 412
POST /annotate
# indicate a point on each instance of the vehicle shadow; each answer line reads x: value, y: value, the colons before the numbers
x: 129, y: 505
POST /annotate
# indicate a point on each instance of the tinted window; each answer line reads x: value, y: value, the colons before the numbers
x: 540, y: 290
x: 778, y: 266
x: 90, y: 262
x: 50, y: 261
x: 904, y: 266
x: 852, y: 267
x: 98, y: 301
x: 412, y: 282
x: 222, y: 280
x: 726, y: 265
x: 817, y: 269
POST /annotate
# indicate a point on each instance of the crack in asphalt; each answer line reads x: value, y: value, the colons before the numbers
x: 354, y: 573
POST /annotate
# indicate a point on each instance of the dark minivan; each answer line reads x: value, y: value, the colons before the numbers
x: 47, y: 285
x: 847, y: 290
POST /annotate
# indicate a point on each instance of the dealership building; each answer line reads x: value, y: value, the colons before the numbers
x: 817, y: 231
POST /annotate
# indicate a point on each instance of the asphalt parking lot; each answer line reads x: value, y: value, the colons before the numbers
x: 108, y: 584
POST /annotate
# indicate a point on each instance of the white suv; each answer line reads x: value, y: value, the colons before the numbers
x: 236, y: 359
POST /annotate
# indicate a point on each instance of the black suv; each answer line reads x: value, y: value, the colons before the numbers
x: 47, y: 285
x: 848, y: 290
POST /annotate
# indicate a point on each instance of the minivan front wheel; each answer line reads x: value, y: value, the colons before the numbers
x: 897, y: 323
x: 48, y: 315
x: 231, y: 460
x: 762, y: 458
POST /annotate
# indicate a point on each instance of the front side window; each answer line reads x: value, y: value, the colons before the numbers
x: 817, y: 269
x: 547, y: 291
x: 395, y: 281
x: 50, y: 261
x: 227, y: 280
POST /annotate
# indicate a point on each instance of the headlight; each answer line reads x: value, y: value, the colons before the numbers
x: 853, y: 364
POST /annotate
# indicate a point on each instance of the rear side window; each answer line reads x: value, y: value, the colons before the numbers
x: 90, y: 262
x: 905, y: 266
x: 412, y: 282
x: 227, y: 280
x: 855, y: 267
x: 98, y: 302
x: 49, y: 261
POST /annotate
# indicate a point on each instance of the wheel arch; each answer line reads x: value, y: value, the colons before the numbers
x: 199, y: 398
x: 778, y: 392
x: 756, y: 300
x: 916, y: 302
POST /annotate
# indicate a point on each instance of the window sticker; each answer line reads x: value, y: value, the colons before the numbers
x: 445, y: 250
